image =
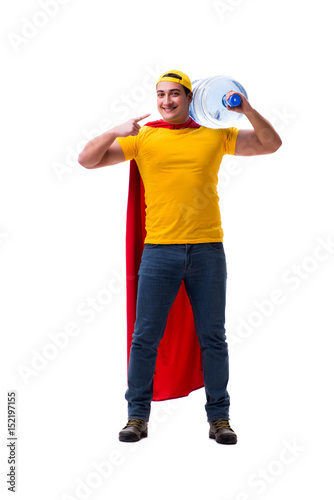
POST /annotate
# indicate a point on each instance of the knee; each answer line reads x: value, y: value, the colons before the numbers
x: 214, y: 341
x: 142, y: 341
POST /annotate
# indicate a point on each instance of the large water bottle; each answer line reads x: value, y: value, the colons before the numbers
x: 208, y: 107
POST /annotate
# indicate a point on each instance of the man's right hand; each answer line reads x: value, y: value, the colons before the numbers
x: 131, y: 127
x: 103, y: 150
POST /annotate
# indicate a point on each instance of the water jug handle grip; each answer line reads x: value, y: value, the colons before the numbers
x: 233, y: 101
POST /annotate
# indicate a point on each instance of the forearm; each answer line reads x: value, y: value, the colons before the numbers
x: 95, y: 149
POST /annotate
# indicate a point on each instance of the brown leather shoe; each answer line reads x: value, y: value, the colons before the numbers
x: 221, y: 431
x: 134, y: 430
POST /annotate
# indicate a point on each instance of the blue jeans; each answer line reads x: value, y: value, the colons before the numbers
x: 202, y: 266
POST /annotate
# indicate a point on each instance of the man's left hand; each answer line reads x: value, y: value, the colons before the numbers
x: 243, y: 107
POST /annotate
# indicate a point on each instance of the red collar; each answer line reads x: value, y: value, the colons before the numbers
x: 190, y: 123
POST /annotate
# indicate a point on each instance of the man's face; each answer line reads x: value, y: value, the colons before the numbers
x: 172, y: 102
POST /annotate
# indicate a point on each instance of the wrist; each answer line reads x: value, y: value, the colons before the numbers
x: 249, y: 112
x: 113, y: 133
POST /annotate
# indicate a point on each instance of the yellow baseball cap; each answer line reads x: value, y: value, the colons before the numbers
x: 177, y: 77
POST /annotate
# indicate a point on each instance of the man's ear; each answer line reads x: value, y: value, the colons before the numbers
x: 190, y: 97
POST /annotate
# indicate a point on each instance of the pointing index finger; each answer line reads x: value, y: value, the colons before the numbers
x: 142, y: 117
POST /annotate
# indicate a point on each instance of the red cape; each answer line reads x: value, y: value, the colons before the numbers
x: 179, y: 362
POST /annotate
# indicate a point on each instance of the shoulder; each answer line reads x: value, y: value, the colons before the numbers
x: 217, y: 133
x: 147, y: 131
x: 214, y: 132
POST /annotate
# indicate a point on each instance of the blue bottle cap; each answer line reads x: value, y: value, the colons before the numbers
x: 234, y: 100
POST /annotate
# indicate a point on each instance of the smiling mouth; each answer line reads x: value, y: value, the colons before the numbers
x: 168, y: 110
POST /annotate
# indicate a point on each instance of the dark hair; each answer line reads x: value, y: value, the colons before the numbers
x: 174, y: 75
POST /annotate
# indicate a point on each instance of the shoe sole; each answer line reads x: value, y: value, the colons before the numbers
x: 226, y: 440
x: 130, y: 437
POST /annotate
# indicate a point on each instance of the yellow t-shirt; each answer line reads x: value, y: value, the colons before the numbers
x: 179, y: 169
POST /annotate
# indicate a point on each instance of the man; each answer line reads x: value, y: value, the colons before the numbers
x: 179, y: 161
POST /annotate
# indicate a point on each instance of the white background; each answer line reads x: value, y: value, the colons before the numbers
x: 62, y: 236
